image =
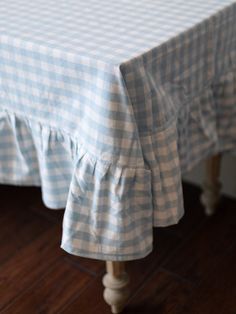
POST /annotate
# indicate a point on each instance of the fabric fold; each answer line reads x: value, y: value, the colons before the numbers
x: 109, y: 211
x: 110, y: 208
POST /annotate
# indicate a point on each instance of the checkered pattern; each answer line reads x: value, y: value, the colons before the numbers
x: 104, y: 104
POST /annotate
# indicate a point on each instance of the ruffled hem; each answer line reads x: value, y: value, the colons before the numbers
x: 102, y: 200
x: 33, y: 154
x: 106, y: 257
x: 111, y: 209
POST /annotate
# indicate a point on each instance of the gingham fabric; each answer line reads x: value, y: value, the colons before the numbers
x: 104, y: 104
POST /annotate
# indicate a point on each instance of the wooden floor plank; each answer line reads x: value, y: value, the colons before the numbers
x: 217, y: 291
x: 208, y: 246
x: 90, y: 301
x: 19, y: 229
x: 28, y: 265
x: 91, y: 266
x: 163, y: 293
x: 52, y: 292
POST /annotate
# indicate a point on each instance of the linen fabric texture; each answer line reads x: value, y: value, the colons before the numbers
x: 104, y: 105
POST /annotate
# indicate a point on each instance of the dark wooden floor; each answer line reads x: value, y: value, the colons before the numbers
x: 192, y: 269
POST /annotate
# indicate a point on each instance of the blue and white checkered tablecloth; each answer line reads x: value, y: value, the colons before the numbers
x: 104, y: 104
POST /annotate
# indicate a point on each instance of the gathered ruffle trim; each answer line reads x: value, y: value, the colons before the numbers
x: 108, y: 207
x: 111, y: 209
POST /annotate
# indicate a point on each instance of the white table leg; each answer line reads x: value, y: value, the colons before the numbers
x: 116, y: 283
x: 211, y: 187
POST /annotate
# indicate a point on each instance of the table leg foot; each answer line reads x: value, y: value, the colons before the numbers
x: 116, y: 282
x: 211, y: 186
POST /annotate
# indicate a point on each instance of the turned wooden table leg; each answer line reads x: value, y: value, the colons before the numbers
x: 116, y: 283
x: 211, y: 187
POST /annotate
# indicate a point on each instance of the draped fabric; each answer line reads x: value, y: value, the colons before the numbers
x: 106, y: 121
